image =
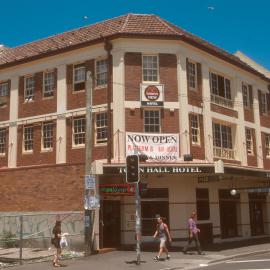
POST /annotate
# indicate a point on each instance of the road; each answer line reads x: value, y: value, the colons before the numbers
x: 245, y: 263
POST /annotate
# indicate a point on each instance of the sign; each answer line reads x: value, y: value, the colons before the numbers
x: 90, y: 182
x: 157, y: 147
x: 91, y: 202
x: 117, y: 189
x: 152, y: 95
x: 163, y: 169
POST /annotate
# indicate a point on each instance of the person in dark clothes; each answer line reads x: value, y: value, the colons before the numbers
x: 56, y: 242
x: 193, y: 232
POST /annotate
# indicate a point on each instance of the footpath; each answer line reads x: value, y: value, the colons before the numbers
x: 118, y: 260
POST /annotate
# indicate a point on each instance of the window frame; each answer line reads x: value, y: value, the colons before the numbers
x: 28, y: 97
x: 215, y: 90
x: 79, y: 66
x: 102, y: 141
x: 267, y: 146
x: 221, y: 138
x: 7, y: 90
x: 245, y: 85
x: 198, y: 143
x: 195, y: 88
x: 101, y: 85
x: 264, y: 103
x: 82, y: 133
x: 31, y: 140
x: 249, y: 141
x: 3, y: 142
x: 144, y: 120
x: 157, y: 69
x: 44, y: 84
x: 45, y: 149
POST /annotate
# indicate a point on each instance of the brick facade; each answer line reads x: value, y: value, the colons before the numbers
x: 224, y: 111
x: 46, y: 188
x: 40, y: 105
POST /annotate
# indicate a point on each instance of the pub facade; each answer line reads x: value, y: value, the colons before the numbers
x: 199, y: 113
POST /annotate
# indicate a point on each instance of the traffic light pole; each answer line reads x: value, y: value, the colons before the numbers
x: 138, y: 222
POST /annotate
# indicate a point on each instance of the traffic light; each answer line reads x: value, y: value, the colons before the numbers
x: 143, y: 188
x: 132, y: 169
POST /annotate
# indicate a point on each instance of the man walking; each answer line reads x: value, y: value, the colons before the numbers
x: 193, y: 234
x: 162, y: 232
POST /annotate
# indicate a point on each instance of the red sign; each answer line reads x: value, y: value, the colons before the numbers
x: 117, y: 190
x: 151, y: 92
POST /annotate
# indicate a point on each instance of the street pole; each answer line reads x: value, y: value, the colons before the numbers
x: 138, y: 223
x: 89, y: 214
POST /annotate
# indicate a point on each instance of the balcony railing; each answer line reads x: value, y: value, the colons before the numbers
x: 225, y: 153
x: 224, y: 102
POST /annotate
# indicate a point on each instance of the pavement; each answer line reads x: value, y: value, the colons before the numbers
x: 127, y: 259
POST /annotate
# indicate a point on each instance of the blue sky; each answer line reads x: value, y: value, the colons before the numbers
x: 231, y: 24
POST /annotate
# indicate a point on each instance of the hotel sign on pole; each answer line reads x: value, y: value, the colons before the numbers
x: 152, y: 95
x: 157, y: 147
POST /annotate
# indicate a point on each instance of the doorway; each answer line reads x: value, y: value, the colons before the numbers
x: 256, y: 205
x: 228, y: 213
x: 110, y: 224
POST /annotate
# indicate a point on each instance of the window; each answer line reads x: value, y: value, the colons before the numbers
x: 249, y: 141
x: 150, y: 68
x: 263, y: 103
x: 222, y: 136
x: 48, y: 84
x: 28, y: 138
x: 47, y: 136
x: 195, y: 129
x: 79, y: 77
x: 4, y: 89
x: 245, y: 95
x: 202, y: 203
x: 220, y: 90
x: 101, y: 127
x: 267, y: 145
x: 29, y: 88
x: 222, y: 142
x: 101, y: 72
x: 79, y: 131
x: 192, y: 75
x: 152, y: 121
x: 2, y: 141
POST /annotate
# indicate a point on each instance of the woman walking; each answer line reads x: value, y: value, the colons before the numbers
x: 56, y: 242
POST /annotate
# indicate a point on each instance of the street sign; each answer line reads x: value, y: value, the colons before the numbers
x: 90, y: 181
x: 91, y: 202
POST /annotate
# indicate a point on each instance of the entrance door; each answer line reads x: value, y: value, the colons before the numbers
x: 228, y: 213
x: 256, y: 214
x: 111, y: 225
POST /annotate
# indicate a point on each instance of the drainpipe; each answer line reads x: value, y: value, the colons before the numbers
x: 108, y: 47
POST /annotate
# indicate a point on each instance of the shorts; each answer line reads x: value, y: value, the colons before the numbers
x: 162, y: 242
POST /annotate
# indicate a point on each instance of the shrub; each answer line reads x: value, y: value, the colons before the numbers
x: 8, y: 239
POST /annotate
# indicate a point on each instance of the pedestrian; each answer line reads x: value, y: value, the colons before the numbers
x: 56, y: 242
x: 193, y: 232
x: 162, y: 232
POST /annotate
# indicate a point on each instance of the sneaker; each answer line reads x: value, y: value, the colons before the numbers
x: 168, y: 257
x: 156, y: 258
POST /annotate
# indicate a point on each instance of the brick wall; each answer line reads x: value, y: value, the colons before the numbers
x: 249, y: 115
x: 51, y: 188
x: 133, y: 75
x: 265, y: 120
x: 224, y: 111
x: 39, y: 105
x: 168, y: 76
x: 38, y: 156
x: 198, y: 151
x: 4, y: 110
x: 77, y: 154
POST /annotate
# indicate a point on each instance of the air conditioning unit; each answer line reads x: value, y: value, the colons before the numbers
x: 3, y: 101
